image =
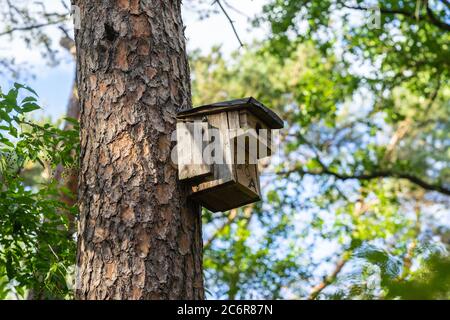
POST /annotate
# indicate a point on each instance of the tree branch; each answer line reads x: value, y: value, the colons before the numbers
x: 364, y: 176
x: 229, y: 20
x: 447, y: 3
x: 374, y: 175
x: 429, y: 16
x: 435, y: 20
x: 361, y: 207
x: 31, y: 27
x: 384, y: 10
x: 329, y: 279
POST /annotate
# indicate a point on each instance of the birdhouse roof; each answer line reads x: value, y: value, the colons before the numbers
x: 250, y: 104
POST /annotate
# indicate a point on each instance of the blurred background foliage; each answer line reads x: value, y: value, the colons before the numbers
x: 357, y: 206
x: 356, y: 203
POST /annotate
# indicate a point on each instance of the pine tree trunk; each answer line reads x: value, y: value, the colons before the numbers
x: 139, y: 237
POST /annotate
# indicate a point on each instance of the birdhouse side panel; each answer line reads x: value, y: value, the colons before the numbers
x: 248, y: 179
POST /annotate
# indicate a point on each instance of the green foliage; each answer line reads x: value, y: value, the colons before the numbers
x: 364, y: 152
x: 36, y: 242
x: 431, y: 281
x: 239, y: 267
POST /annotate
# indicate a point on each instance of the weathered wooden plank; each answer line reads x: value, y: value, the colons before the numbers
x: 258, y: 133
x: 224, y: 169
x: 233, y: 123
x: 190, y: 145
x: 247, y: 176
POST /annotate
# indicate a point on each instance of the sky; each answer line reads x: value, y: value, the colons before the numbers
x: 53, y: 83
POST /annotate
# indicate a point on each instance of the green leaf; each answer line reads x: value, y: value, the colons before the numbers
x: 13, y: 131
x: 5, y: 116
x: 21, y: 86
x: 29, y: 107
x: 6, y: 142
x: 29, y: 99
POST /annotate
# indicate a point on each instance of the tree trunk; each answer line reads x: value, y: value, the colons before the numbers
x: 139, y: 236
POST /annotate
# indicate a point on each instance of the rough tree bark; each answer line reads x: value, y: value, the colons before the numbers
x: 139, y: 237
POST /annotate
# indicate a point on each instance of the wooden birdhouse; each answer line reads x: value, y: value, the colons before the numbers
x: 218, y: 146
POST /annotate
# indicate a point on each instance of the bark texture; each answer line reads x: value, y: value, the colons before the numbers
x: 139, y: 237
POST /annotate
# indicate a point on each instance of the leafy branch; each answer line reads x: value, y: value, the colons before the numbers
x: 382, y: 173
x: 372, y: 175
